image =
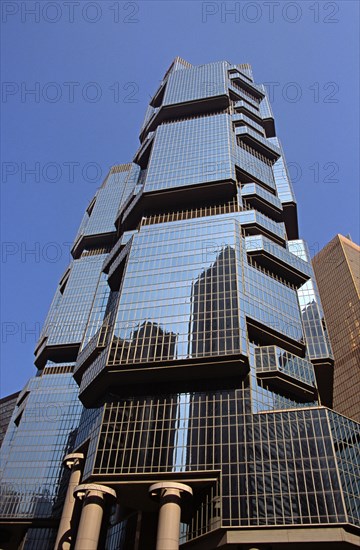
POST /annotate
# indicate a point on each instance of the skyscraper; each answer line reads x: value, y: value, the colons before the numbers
x: 191, y: 322
x: 337, y: 270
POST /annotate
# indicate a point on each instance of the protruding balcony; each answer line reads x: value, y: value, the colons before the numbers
x: 252, y: 166
x: 112, y: 255
x: 262, y: 200
x: 241, y: 119
x: 243, y: 106
x: 278, y: 260
x: 116, y: 268
x: 258, y: 143
x: 281, y: 369
x: 101, y: 240
x: 58, y: 353
x: 157, y: 98
x: 148, y: 355
x: 199, y: 106
x: 143, y: 153
x: 239, y: 94
x: 255, y: 223
x: 132, y: 210
x: 250, y: 87
x: 93, y: 348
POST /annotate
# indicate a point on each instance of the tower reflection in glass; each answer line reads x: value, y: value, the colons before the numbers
x: 190, y: 320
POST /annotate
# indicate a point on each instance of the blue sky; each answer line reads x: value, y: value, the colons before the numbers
x: 93, y: 66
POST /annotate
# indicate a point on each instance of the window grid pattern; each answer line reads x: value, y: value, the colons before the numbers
x: 251, y: 162
x: 51, y: 316
x: 339, y: 261
x: 282, y: 176
x: 245, y: 105
x: 172, y: 433
x: 195, y: 83
x: 346, y: 437
x: 255, y: 189
x: 178, y: 297
x: 186, y: 292
x: 277, y: 468
x: 69, y: 322
x: 317, y: 340
x: 290, y: 474
x: 272, y: 303
x: 240, y: 93
x: 39, y: 539
x: 273, y: 358
x: 33, y: 450
x: 246, y: 130
x: 98, y: 309
x: 191, y: 152
x: 313, y: 320
x: 206, y: 514
x: 121, y: 535
x: 265, y: 105
x: 240, y: 117
x: 117, y: 188
x: 253, y: 216
x: 259, y: 242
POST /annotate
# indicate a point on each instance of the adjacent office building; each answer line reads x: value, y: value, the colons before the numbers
x: 184, y: 385
x: 337, y: 270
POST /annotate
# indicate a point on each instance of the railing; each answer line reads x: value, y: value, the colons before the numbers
x: 247, y: 82
x: 245, y: 105
x: 227, y: 208
x: 253, y: 263
x: 247, y: 159
x: 241, y: 117
x: 264, y: 221
x: 241, y: 92
x: 270, y: 359
x: 243, y: 130
x: 259, y: 242
x: 255, y: 153
x: 255, y: 189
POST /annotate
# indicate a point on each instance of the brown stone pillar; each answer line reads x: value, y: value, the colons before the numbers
x: 169, y: 495
x: 65, y: 533
x: 91, y: 514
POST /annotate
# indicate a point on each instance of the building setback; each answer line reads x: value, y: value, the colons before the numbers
x: 184, y: 373
x: 337, y: 270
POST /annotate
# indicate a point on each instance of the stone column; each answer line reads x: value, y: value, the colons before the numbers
x: 66, y: 530
x: 169, y: 495
x: 91, y: 514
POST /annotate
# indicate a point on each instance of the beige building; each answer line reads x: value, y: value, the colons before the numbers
x: 337, y: 270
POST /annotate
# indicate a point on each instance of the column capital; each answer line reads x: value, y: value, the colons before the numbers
x: 158, y: 489
x: 85, y: 490
x: 73, y: 458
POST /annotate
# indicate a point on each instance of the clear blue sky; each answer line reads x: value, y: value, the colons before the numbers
x: 94, y: 66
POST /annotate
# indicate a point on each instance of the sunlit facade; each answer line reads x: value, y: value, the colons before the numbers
x: 337, y: 269
x: 185, y: 352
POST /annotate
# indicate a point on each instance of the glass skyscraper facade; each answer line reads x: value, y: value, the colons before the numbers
x: 184, y: 385
x: 7, y: 405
